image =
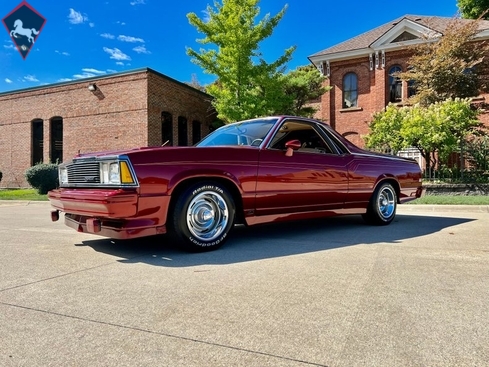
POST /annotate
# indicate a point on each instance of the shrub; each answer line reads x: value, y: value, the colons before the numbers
x: 43, y: 177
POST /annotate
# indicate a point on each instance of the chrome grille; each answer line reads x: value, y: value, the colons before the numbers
x: 83, y: 172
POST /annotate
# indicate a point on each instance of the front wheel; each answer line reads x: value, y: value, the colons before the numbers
x: 203, y: 216
x: 381, y: 209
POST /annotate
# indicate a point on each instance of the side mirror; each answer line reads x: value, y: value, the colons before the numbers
x: 291, y: 146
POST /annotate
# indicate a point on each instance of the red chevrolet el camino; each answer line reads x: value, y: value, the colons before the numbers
x: 250, y: 172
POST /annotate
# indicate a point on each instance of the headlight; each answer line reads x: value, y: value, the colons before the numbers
x: 115, y: 173
x: 109, y: 173
x: 62, y: 175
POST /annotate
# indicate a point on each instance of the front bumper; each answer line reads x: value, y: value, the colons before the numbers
x: 116, y: 213
x: 122, y: 229
x: 112, y: 203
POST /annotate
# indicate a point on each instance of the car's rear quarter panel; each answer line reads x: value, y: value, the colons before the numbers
x: 366, y: 171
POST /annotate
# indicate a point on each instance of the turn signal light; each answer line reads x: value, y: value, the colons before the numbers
x: 126, y: 177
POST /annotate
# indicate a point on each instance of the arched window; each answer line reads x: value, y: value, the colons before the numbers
x: 395, y: 85
x: 196, y: 133
x: 182, y: 131
x: 56, y: 134
x: 350, y: 90
x: 37, y: 138
x: 166, y: 128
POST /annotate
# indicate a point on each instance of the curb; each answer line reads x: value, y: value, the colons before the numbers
x: 406, y: 208
x: 22, y: 202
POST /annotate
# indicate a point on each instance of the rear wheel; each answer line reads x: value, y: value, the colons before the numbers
x: 203, y: 216
x: 381, y: 209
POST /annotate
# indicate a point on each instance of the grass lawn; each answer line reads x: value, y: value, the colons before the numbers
x: 21, y: 194
x: 452, y: 200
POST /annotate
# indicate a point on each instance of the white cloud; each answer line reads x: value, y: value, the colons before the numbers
x: 83, y: 75
x: 30, y: 78
x: 76, y: 17
x: 94, y: 71
x: 91, y: 24
x: 10, y: 46
x: 116, y: 54
x: 64, y: 80
x: 130, y: 39
x: 119, y: 63
x: 64, y: 53
x: 138, y: 2
x: 108, y: 36
x: 121, y: 23
x: 86, y: 73
x: 141, y: 50
x: 7, y: 80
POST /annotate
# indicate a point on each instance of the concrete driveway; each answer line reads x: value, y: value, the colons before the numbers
x: 331, y: 292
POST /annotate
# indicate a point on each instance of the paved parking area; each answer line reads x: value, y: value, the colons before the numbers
x: 331, y: 292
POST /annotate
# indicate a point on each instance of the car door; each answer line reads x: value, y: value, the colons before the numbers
x: 313, y: 177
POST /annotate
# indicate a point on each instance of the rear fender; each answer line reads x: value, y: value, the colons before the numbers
x: 392, y: 180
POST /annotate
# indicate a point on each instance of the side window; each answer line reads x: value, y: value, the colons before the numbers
x: 56, y: 148
x: 411, y: 88
x: 333, y: 141
x: 395, y: 85
x: 37, y: 138
x: 182, y: 131
x: 311, y: 140
x: 166, y: 128
x: 350, y: 90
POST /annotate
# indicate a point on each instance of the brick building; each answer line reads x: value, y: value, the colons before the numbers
x: 360, y: 69
x: 124, y: 110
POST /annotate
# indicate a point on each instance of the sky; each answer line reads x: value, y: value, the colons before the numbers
x: 89, y: 38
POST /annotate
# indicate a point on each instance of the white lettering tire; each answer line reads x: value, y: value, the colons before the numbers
x: 203, y: 216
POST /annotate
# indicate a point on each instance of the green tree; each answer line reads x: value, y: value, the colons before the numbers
x: 302, y: 85
x: 455, y: 66
x: 473, y: 9
x: 247, y: 86
x: 436, y: 131
x: 385, y: 130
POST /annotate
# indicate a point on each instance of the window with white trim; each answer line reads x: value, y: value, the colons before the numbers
x: 350, y: 90
x: 395, y: 84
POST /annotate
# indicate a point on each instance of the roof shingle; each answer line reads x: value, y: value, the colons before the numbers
x: 364, y: 40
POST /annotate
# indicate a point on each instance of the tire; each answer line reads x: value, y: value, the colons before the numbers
x: 382, y: 207
x: 203, y: 216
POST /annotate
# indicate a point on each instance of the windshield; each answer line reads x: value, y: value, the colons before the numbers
x: 251, y: 133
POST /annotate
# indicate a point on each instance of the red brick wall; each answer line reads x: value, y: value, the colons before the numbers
x: 373, y: 95
x: 351, y: 122
x: 124, y: 112
x: 164, y: 95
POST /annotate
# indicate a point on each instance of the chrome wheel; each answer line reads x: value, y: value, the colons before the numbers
x: 381, y: 209
x: 386, y: 202
x: 207, y: 216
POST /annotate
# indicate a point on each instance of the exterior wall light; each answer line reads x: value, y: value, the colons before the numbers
x: 92, y: 87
